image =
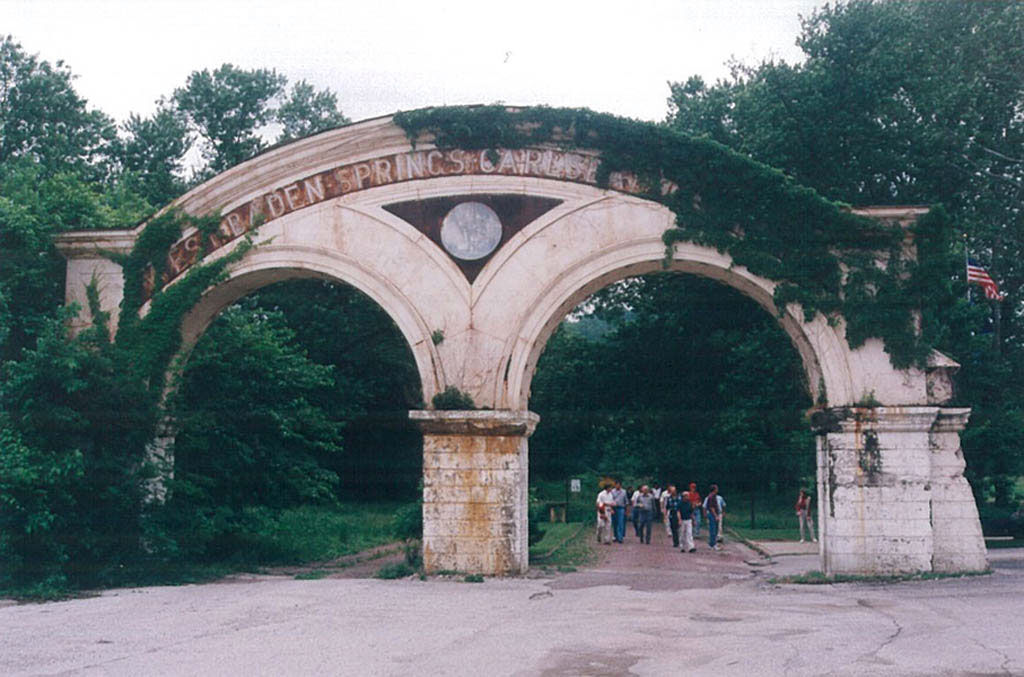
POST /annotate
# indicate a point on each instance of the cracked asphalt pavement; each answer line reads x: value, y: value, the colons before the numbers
x: 706, y: 613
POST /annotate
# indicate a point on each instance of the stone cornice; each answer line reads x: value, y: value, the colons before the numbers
x: 896, y: 212
x: 952, y: 420
x: 93, y: 243
x: 478, y: 422
x: 881, y: 419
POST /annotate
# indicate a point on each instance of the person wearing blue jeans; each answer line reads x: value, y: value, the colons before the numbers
x: 697, y: 509
x: 712, y: 510
x: 643, y: 505
x: 619, y: 515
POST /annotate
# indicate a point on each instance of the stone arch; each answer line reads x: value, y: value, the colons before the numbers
x: 583, y: 264
x: 279, y: 262
x: 337, y: 205
x: 815, y: 342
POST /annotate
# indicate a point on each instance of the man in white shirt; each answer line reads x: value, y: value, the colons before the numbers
x: 605, y: 506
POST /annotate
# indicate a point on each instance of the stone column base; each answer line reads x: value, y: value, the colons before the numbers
x: 475, y: 490
x: 892, y: 496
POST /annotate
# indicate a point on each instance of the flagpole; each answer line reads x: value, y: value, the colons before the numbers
x: 967, y: 263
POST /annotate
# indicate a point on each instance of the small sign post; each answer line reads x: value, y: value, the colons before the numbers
x: 574, y: 486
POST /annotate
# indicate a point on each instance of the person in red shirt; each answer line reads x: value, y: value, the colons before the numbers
x: 803, y: 514
x: 698, y: 510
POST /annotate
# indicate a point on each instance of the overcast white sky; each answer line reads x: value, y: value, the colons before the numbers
x: 381, y: 56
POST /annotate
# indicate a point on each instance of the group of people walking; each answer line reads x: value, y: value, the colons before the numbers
x: 681, y: 513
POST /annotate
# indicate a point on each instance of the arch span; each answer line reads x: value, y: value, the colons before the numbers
x: 279, y: 262
x: 811, y: 340
x: 362, y: 205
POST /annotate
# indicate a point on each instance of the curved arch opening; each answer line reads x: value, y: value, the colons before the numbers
x: 821, y: 378
x: 291, y: 420
x: 673, y: 378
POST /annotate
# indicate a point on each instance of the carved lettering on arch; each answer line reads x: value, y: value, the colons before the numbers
x: 414, y: 165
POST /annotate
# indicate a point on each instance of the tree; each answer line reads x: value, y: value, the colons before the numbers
x: 226, y: 107
x: 367, y: 383
x: 251, y: 430
x: 307, y: 111
x: 231, y: 111
x: 43, y: 119
x: 907, y: 103
x: 672, y: 377
x: 152, y: 152
x: 75, y: 426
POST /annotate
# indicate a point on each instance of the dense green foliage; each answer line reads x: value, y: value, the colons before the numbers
x: 76, y: 415
x: 75, y: 425
x: 672, y: 378
x: 453, y: 398
x: 296, y: 395
x: 910, y: 103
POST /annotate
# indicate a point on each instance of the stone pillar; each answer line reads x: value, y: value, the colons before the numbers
x: 958, y: 544
x: 89, y: 260
x: 475, y: 490
x: 892, y: 497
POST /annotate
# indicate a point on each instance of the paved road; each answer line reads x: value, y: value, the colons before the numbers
x: 644, y: 610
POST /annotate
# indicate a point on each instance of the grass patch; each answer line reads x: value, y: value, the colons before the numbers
x: 474, y: 578
x: 259, y: 537
x: 554, y: 535
x: 818, y: 578
x: 314, y: 533
x: 390, y: 572
x: 574, y: 550
x: 766, y: 534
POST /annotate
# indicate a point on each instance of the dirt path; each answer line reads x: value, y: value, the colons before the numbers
x: 659, y: 566
x: 363, y: 564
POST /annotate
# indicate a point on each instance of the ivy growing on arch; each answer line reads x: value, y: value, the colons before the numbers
x: 152, y: 341
x: 823, y: 257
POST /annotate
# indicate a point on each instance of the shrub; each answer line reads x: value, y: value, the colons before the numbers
x: 453, y: 399
x: 407, y: 524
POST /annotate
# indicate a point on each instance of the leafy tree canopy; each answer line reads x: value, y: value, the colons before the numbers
x: 43, y: 119
x: 909, y: 103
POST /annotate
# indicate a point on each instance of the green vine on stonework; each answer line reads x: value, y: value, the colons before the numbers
x: 151, y: 342
x: 822, y: 256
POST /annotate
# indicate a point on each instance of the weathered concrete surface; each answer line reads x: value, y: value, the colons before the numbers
x: 891, y: 493
x: 273, y: 626
x: 474, y: 490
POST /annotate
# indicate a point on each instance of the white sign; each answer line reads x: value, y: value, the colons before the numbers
x: 574, y: 486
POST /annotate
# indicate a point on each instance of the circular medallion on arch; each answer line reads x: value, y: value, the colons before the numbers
x: 470, y: 231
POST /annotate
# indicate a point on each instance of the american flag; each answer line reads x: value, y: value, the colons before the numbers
x: 976, y: 273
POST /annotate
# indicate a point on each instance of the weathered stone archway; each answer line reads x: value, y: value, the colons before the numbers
x: 477, y: 298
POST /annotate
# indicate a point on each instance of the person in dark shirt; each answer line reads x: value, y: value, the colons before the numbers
x: 673, y: 506
x: 686, y: 518
x: 712, y: 510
